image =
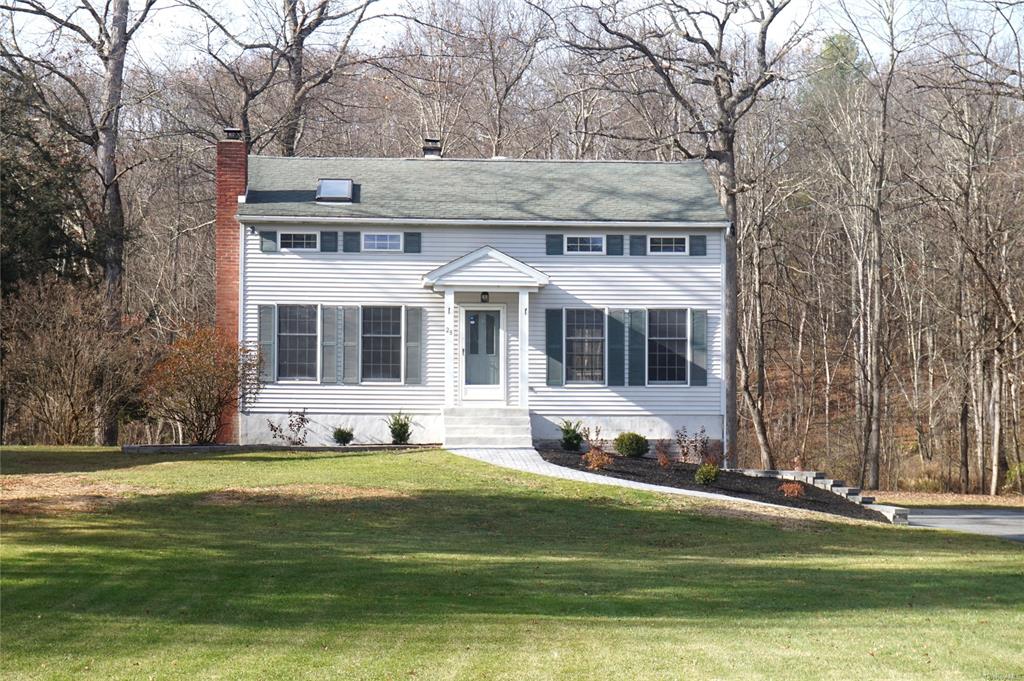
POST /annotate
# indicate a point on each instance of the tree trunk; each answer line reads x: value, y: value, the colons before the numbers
x: 965, y: 459
x: 111, y: 234
x: 726, y: 165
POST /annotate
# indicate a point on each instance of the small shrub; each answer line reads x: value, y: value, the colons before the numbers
x: 792, y: 489
x: 596, y: 459
x: 706, y: 474
x: 297, y: 430
x: 572, y: 435
x: 696, y: 448
x: 592, y: 437
x: 661, y: 450
x: 343, y: 436
x: 400, y: 426
x: 632, y: 445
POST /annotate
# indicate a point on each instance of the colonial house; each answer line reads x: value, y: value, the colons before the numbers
x: 487, y: 299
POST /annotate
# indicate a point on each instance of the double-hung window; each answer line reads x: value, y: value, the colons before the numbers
x: 382, y: 242
x: 584, y: 244
x: 584, y: 346
x: 667, y: 346
x: 382, y: 344
x: 667, y: 244
x: 299, y: 241
x: 296, y: 342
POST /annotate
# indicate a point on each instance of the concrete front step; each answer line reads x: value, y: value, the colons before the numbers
x: 897, y: 515
x: 492, y: 431
x: 471, y: 442
x: 487, y: 427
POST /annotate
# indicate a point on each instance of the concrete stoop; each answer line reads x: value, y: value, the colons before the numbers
x: 895, y: 514
x: 487, y: 427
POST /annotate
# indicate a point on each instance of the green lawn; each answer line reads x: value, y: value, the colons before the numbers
x: 428, y: 566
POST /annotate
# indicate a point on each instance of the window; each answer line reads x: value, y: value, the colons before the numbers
x: 584, y: 244
x: 382, y: 242
x: 382, y: 344
x: 667, y: 244
x: 302, y: 241
x: 334, y: 190
x: 296, y: 341
x: 667, y: 346
x: 584, y: 346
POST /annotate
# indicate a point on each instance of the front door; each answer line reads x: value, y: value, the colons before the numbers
x: 483, y: 352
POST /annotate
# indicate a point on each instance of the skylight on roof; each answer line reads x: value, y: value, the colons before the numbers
x: 334, y: 190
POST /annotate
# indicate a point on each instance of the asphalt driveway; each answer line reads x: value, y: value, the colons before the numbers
x: 998, y: 522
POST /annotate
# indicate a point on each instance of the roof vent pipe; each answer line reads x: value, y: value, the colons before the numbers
x: 431, y: 147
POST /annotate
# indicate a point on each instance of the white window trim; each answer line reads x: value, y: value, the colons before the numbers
x: 565, y: 246
x: 565, y: 350
x: 686, y: 246
x: 400, y: 249
x: 277, y: 344
x: 647, y: 346
x: 401, y: 347
x: 291, y: 249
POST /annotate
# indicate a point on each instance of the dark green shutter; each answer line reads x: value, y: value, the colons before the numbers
x: 613, y: 244
x: 328, y: 344
x: 412, y: 242
x: 698, y: 244
x: 328, y: 242
x: 638, y: 244
x: 268, y: 241
x: 638, y: 347
x: 699, y: 347
x: 553, y: 345
x: 350, y: 242
x: 267, y: 335
x: 616, y: 347
x: 350, y: 351
x: 414, y: 345
x: 555, y: 244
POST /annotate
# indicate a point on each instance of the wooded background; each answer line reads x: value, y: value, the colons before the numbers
x: 871, y: 154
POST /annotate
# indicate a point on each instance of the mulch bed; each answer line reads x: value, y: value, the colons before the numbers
x: 680, y: 475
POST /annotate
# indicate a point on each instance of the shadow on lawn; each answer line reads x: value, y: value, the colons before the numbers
x: 420, y: 558
x: 92, y: 459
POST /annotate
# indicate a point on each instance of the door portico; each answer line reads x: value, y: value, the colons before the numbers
x: 469, y: 364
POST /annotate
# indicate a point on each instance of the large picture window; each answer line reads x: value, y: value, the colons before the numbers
x: 382, y: 344
x: 667, y: 341
x: 296, y: 341
x: 584, y: 346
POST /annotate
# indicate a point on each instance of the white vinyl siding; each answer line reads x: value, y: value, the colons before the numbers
x: 379, y: 279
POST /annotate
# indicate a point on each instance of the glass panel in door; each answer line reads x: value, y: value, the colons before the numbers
x: 483, y: 347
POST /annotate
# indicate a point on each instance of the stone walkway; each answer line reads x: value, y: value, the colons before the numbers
x: 530, y: 461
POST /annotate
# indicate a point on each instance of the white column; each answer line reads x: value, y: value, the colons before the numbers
x: 449, y: 348
x: 524, y: 348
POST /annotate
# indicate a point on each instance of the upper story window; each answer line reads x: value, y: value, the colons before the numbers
x: 382, y: 344
x: 382, y: 242
x: 299, y: 241
x: 584, y: 346
x: 296, y: 342
x: 584, y: 244
x: 667, y: 346
x: 667, y: 244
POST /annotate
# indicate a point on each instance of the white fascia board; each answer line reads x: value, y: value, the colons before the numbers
x: 587, y: 224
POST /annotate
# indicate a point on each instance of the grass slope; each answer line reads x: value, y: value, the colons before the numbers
x: 424, y: 565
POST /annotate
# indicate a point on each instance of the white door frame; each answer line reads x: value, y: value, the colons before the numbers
x: 494, y: 394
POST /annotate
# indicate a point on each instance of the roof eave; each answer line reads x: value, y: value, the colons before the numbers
x: 615, y: 224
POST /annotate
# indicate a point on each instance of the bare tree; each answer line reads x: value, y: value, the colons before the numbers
x: 714, y: 59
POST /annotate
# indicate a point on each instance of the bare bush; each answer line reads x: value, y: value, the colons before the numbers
x: 66, y: 371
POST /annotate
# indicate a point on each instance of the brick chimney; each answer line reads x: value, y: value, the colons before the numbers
x: 231, y: 181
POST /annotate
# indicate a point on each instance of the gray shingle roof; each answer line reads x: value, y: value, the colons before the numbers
x: 496, y: 189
